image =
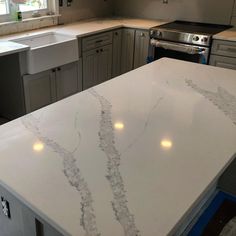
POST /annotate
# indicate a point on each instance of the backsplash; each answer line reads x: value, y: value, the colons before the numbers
x: 81, y: 9
x: 25, y: 25
x: 209, y: 11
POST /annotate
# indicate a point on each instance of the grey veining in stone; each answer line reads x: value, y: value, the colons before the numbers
x: 107, y: 145
x: 222, y: 99
x: 71, y: 171
x: 138, y: 137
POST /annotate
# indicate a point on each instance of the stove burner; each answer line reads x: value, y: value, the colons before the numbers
x: 194, y: 27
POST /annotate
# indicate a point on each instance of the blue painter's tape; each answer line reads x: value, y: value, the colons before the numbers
x: 205, y: 218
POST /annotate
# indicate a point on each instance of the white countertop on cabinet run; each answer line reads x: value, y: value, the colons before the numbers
x: 128, y: 157
x: 229, y: 35
x: 92, y: 26
x: 7, y: 48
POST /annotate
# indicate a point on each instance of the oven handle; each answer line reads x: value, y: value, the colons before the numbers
x: 189, y: 49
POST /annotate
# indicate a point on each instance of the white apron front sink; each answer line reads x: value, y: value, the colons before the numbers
x: 49, y: 50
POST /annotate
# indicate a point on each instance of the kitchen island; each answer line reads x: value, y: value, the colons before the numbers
x: 137, y: 155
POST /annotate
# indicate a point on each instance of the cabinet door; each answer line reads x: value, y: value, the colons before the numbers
x: 90, y: 68
x: 97, y: 66
x: 141, y: 48
x: 67, y: 80
x: 127, y: 54
x: 224, y: 48
x: 116, y: 50
x: 104, y: 63
x: 39, y: 90
x: 224, y: 62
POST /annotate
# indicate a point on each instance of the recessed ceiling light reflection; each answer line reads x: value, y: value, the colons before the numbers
x: 119, y: 126
x: 38, y: 146
x: 166, y: 144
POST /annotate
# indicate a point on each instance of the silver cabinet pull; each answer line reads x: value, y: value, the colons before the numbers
x: 99, y: 41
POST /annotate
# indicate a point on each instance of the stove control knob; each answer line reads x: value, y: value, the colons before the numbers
x: 195, y: 38
x: 204, y: 39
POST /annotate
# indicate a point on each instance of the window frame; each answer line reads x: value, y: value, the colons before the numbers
x: 51, y: 7
x: 5, y: 17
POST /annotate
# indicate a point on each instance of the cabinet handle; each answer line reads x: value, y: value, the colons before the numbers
x: 59, y: 68
x: 99, y: 41
x: 116, y: 33
x: 97, y: 51
x: 101, y: 50
x: 53, y: 70
x: 231, y: 49
x: 142, y: 35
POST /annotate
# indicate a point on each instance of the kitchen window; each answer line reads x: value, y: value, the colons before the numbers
x: 33, y: 5
x: 4, y: 7
x: 8, y: 8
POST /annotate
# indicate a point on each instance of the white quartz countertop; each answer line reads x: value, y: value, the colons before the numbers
x: 229, y: 35
x: 7, y: 48
x: 92, y: 26
x: 128, y: 157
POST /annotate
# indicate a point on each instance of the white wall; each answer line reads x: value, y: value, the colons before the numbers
x: 82, y: 9
x: 210, y: 11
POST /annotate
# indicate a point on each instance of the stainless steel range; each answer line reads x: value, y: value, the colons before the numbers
x: 183, y: 40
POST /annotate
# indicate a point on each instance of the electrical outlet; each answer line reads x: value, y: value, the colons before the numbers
x: 165, y: 1
x: 5, y: 207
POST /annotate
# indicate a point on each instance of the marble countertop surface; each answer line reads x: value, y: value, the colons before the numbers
x: 229, y: 35
x: 7, y: 48
x: 128, y: 157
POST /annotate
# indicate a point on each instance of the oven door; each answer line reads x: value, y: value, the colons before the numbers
x: 160, y: 48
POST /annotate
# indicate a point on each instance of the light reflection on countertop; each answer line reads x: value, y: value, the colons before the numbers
x: 119, y: 125
x: 38, y: 146
x: 166, y: 144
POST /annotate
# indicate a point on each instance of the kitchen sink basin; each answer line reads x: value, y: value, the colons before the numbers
x: 49, y: 50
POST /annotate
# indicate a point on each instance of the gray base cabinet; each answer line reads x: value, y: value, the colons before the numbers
x: 141, y: 48
x: 67, y: 82
x: 224, y: 62
x: 223, y: 54
x: 97, y: 59
x: 40, y: 90
x: 97, y: 66
x: 22, y: 221
x: 113, y: 53
x: 49, y: 86
x: 127, y: 54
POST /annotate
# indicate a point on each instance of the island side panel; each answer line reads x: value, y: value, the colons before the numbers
x: 11, y: 87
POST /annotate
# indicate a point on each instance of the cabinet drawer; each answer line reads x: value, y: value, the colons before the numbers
x: 97, y: 40
x: 225, y: 62
x: 224, y: 48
